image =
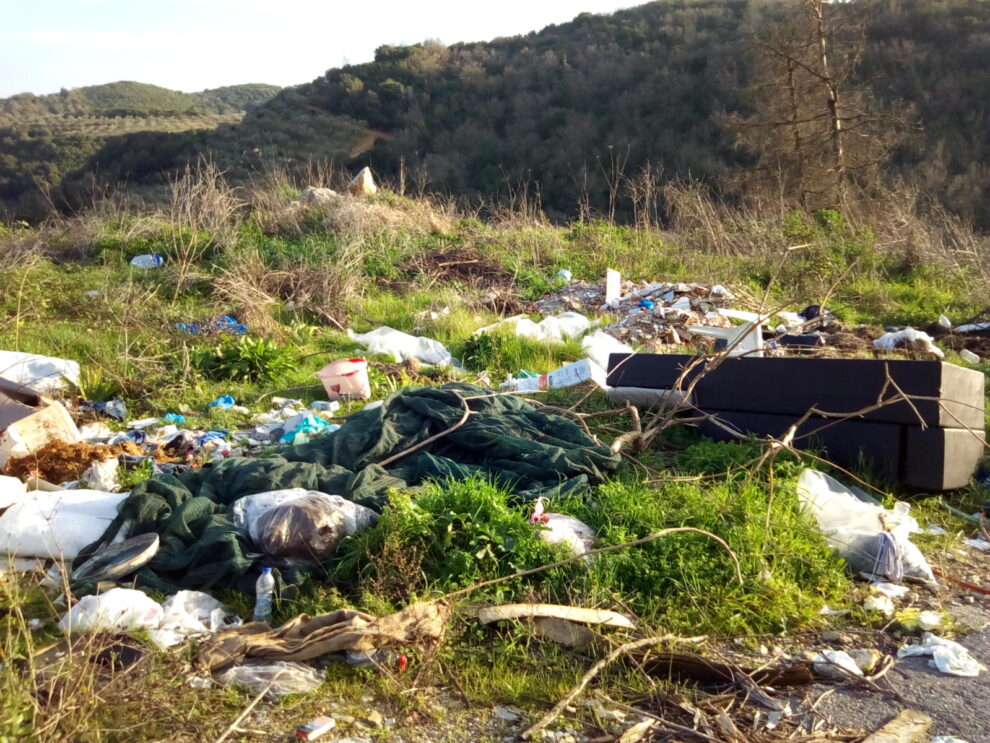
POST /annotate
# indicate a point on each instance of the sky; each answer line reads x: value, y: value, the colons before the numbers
x: 192, y: 45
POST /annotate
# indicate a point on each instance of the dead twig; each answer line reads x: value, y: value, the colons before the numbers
x: 558, y: 708
x: 434, y: 437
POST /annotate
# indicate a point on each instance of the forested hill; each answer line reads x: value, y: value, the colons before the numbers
x: 672, y: 84
x: 127, y: 98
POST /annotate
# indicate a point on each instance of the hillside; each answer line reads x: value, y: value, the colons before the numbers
x: 571, y: 110
x: 45, y: 138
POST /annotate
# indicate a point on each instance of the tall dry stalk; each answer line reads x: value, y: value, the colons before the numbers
x: 202, y: 215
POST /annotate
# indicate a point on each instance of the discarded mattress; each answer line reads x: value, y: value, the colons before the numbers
x: 505, y: 439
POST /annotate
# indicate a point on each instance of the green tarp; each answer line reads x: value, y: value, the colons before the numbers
x: 505, y: 439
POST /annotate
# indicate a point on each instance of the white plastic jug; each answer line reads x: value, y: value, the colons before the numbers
x: 346, y: 378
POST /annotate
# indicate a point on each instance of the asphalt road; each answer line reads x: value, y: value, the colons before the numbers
x: 958, y: 706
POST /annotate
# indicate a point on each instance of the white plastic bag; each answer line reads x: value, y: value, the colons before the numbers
x: 118, y: 610
x: 56, y: 525
x: 402, y: 346
x: 832, y: 663
x: 553, y: 329
x: 103, y: 475
x: 854, y: 529
x: 600, y: 345
x: 917, y: 340
x: 947, y: 656
x: 278, y: 677
x: 188, y: 614
x: 41, y: 373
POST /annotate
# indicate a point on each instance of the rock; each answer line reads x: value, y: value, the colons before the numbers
x: 363, y: 184
x: 509, y: 714
x: 316, y: 196
x: 834, y: 638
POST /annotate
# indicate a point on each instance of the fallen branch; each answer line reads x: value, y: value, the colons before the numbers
x: 434, y: 437
x: 629, y: 647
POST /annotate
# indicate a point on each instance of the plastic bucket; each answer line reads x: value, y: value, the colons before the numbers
x: 346, y: 379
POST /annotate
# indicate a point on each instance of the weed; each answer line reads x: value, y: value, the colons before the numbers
x: 245, y: 359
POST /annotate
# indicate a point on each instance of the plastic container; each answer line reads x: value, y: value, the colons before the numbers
x: 346, y: 379
x: 264, y: 591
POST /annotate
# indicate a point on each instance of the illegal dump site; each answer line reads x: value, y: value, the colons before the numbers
x: 305, y: 463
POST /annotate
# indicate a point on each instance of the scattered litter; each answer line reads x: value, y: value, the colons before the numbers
x: 947, y: 656
x: 981, y: 544
x: 968, y: 356
x: 115, y: 409
x: 119, y: 610
x: 973, y: 327
x: 930, y: 620
x: 566, y: 376
x: 565, y: 275
x: 102, y: 476
x: 189, y: 614
x: 148, y: 260
x: 874, y: 541
x: 835, y: 664
x: 116, y: 561
x: 345, y: 379
x: 935, y: 530
x: 825, y: 611
x: 909, y: 339
x: 223, y: 402
x: 279, y: 678
x: 947, y: 739
x: 142, y: 423
x: 891, y: 590
x: 559, y: 528
x: 174, y: 418
x: 883, y: 604
x: 508, y: 714
x: 300, y: 428
x: 315, y: 728
x: 223, y: 324
x: 402, y: 346
x: 945, y: 322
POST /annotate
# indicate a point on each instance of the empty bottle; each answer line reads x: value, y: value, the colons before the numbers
x: 149, y: 260
x: 264, y: 590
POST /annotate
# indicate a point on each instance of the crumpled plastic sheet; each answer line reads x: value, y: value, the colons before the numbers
x: 402, y: 346
x: 43, y: 374
x: 185, y: 614
x: 918, y: 338
x: 278, y: 677
x: 947, y: 656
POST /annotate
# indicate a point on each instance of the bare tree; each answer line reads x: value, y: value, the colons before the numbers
x: 814, y: 130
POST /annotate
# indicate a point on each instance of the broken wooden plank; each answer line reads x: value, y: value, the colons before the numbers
x: 910, y: 726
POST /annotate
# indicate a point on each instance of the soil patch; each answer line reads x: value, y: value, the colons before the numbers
x: 59, y: 462
x: 460, y: 265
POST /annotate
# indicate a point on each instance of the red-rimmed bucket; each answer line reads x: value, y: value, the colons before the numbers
x: 346, y: 379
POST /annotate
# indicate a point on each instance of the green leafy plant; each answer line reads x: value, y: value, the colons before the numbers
x: 245, y: 359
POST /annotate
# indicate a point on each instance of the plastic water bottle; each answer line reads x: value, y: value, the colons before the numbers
x: 264, y: 590
x: 149, y: 260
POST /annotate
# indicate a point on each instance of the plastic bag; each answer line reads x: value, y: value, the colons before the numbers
x: 854, y: 529
x: 117, y: 610
x: 41, y: 373
x: 553, y: 329
x: 402, y: 346
x: 947, y: 656
x: 56, y: 525
x: 600, y: 345
x: 278, y: 677
x: 915, y: 340
x: 189, y: 614
x: 298, y: 526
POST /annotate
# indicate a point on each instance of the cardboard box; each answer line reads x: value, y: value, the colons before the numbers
x: 29, y: 420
